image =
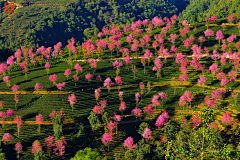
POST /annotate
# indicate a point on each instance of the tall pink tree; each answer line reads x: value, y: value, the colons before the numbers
x: 127, y: 61
x: 78, y: 68
x: 67, y: 73
x: 117, y: 64
x: 202, y: 80
x: 196, y: 119
x: 162, y: 119
x: 107, y: 138
x: 219, y: 36
x: 49, y: 143
x: 47, y: 66
x: 53, y: 78
x: 137, y: 112
x: 18, y: 149
x: 39, y: 120
x: 129, y: 143
x: 122, y: 107
x: 19, y: 122
x: 209, y: 33
x: 214, y: 69
x: 107, y: 83
x: 72, y: 99
x: 226, y: 118
x: 7, y: 137
x: 37, y: 149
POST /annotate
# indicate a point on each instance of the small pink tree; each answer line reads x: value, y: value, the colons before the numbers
x: 209, y: 33
x: 76, y: 78
x: 137, y: 112
x: 47, y: 66
x: 107, y: 137
x: 60, y: 147
x: 118, y: 82
x: 214, y: 69
x: 78, y: 68
x: 202, y: 81
x: 10, y: 112
x: 97, y: 93
x: 162, y: 119
x: 107, y: 83
x: 147, y: 133
x: 219, y: 36
x: 60, y: 85
x: 117, y: 64
x: 37, y: 149
x: 19, y: 122
x: 149, y: 110
x: 49, y: 143
x: 15, y: 88
x: 38, y: 87
x: 7, y: 80
x: 7, y: 137
x: 226, y: 118
x: 39, y: 120
x: 137, y: 95
x: 53, y: 78
x: 129, y: 143
x: 141, y: 86
x: 117, y: 118
x: 67, y: 73
x: 18, y: 149
x: 88, y: 77
x: 111, y: 126
x: 72, y: 99
x: 122, y: 107
x: 127, y: 61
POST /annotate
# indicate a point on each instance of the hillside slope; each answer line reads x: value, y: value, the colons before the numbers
x: 205, y: 8
x: 48, y: 22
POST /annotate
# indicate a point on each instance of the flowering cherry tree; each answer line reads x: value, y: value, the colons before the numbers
x: 53, y: 78
x: 67, y: 73
x: 49, y: 143
x: 162, y: 119
x: 37, y: 149
x: 7, y: 137
x: 226, y: 118
x: 202, y: 80
x: 19, y: 122
x: 137, y: 112
x: 122, y: 107
x: 18, y: 149
x: 107, y: 137
x: 47, y: 66
x: 107, y: 83
x: 129, y: 143
x: 39, y: 120
x: 72, y: 99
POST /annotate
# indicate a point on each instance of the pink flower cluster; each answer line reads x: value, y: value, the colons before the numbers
x: 60, y: 85
x: 129, y: 143
x: 162, y: 119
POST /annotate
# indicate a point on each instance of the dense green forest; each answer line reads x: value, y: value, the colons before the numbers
x: 198, y: 9
x: 48, y: 22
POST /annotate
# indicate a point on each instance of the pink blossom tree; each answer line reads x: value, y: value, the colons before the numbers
x: 149, y: 110
x: 72, y: 99
x: 137, y: 112
x: 7, y: 137
x: 10, y: 112
x: 129, y: 143
x: 107, y: 83
x: 120, y: 96
x: 118, y: 82
x: 2, y: 117
x: 49, y: 143
x: 19, y: 122
x: 76, y: 78
x: 39, y: 120
x: 158, y: 66
x: 60, y: 147
x: 7, y: 80
x: 38, y: 87
x: 18, y: 149
x: 137, y: 95
x: 117, y: 118
x: 226, y: 118
x: 214, y: 69
x: 47, y: 66
x: 88, y: 77
x: 202, y: 80
x: 53, y: 78
x: 219, y: 36
x: 97, y: 93
x: 15, y: 88
x: 127, y: 61
x: 67, y: 73
x: 209, y: 33
x: 117, y: 64
x: 107, y: 138
x: 37, y: 149
x: 147, y: 133
x: 162, y: 119
x: 141, y: 86
x: 122, y: 107
x: 78, y: 68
